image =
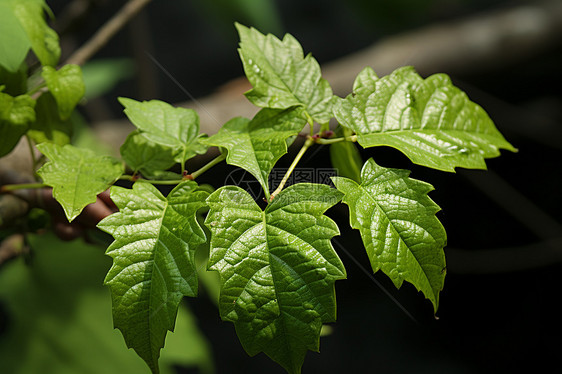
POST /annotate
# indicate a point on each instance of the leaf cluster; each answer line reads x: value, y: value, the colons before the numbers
x: 36, y: 102
x: 277, y: 266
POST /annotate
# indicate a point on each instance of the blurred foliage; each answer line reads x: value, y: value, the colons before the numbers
x: 83, y: 136
x: 63, y: 324
x: 102, y: 75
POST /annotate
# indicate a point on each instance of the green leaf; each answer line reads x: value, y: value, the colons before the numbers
x: 16, y: 113
x: 277, y: 268
x: 77, y: 175
x: 22, y: 25
x: 153, y: 261
x: 145, y: 156
x: 281, y: 76
x: 397, y: 222
x: 59, y: 316
x: 365, y: 78
x: 430, y: 121
x: 15, y: 81
x: 345, y: 157
x: 66, y: 85
x: 256, y: 145
x: 14, y: 43
x: 163, y: 124
x: 44, y: 40
x: 48, y: 126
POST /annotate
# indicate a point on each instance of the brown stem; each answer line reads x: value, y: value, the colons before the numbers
x: 106, y: 32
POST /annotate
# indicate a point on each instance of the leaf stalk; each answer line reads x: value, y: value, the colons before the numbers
x: 352, y: 138
x: 309, y: 141
x: 209, y: 165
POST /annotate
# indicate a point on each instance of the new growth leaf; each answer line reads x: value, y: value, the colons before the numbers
x: 153, y: 261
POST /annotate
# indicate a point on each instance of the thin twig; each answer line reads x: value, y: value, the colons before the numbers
x: 21, y: 186
x: 106, y: 32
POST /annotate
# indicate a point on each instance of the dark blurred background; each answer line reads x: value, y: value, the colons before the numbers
x: 498, y: 311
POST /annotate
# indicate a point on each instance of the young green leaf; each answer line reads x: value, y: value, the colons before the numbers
x: 277, y: 268
x: 29, y: 17
x: 256, y: 145
x: 16, y: 113
x: 365, y: 79
x: 77, y: 175
x: 430, y: 121
x: 145, y: 156
x: 14, y: 43
x: 66, y: 85
x: 397, y: 222
x: 281, y: 76
x: 48, y: 126
x: 163, y: 124
x: 153, y: 261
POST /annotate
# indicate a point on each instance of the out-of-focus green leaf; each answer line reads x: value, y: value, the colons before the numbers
x: 101, y: 75
x: 27, y: 15
x: 163, y: 124
x: 66, y: 85
x: 22, y: 25
x: 48, y: 126
x: 44, y: 40
x: 15, y: 82
x: 430, y: 120
x: 84, y: 137
x: 14, y: 42
x: 153, y: 261
x: 77, y: 175
x: 59, y: 317
x: 281, y: 76
x: 277, y: 268
x: 256, y: 145
x: 397, y: 222
x: 16, y: 113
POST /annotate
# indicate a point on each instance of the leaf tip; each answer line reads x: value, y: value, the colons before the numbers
x: 124, y: 101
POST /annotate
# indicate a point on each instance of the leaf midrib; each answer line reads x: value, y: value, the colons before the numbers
x: 424, y: 130
x: 265, y: 225
x: 153, y: 271
x: 76, y: 184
